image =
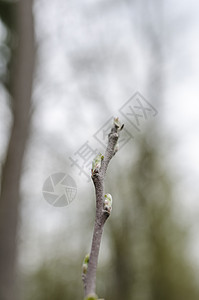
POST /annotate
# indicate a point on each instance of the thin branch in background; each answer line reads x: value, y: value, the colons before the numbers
x: 103, y: 210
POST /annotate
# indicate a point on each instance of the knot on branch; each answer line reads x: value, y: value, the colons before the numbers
x: 96, y: 164
x: 85, y: 263
x: 94, y: 174
x: 85, y: 268
x: 107, y: 205
x: 113, y: 135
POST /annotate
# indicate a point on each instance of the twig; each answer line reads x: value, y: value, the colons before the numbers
x: 103, y: 209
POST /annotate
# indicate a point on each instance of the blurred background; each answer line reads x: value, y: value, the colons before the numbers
x: 67, y: 67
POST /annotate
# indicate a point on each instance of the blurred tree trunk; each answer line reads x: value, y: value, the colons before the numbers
x: 22, y: 64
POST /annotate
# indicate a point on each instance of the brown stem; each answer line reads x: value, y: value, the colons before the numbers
x: 101, y: 215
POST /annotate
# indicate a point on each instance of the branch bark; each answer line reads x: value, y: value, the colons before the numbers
x: 98, y: 175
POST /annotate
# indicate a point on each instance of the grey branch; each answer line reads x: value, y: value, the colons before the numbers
x: 89, y: 279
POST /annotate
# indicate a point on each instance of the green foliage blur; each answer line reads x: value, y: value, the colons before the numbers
x: 147, y: 243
